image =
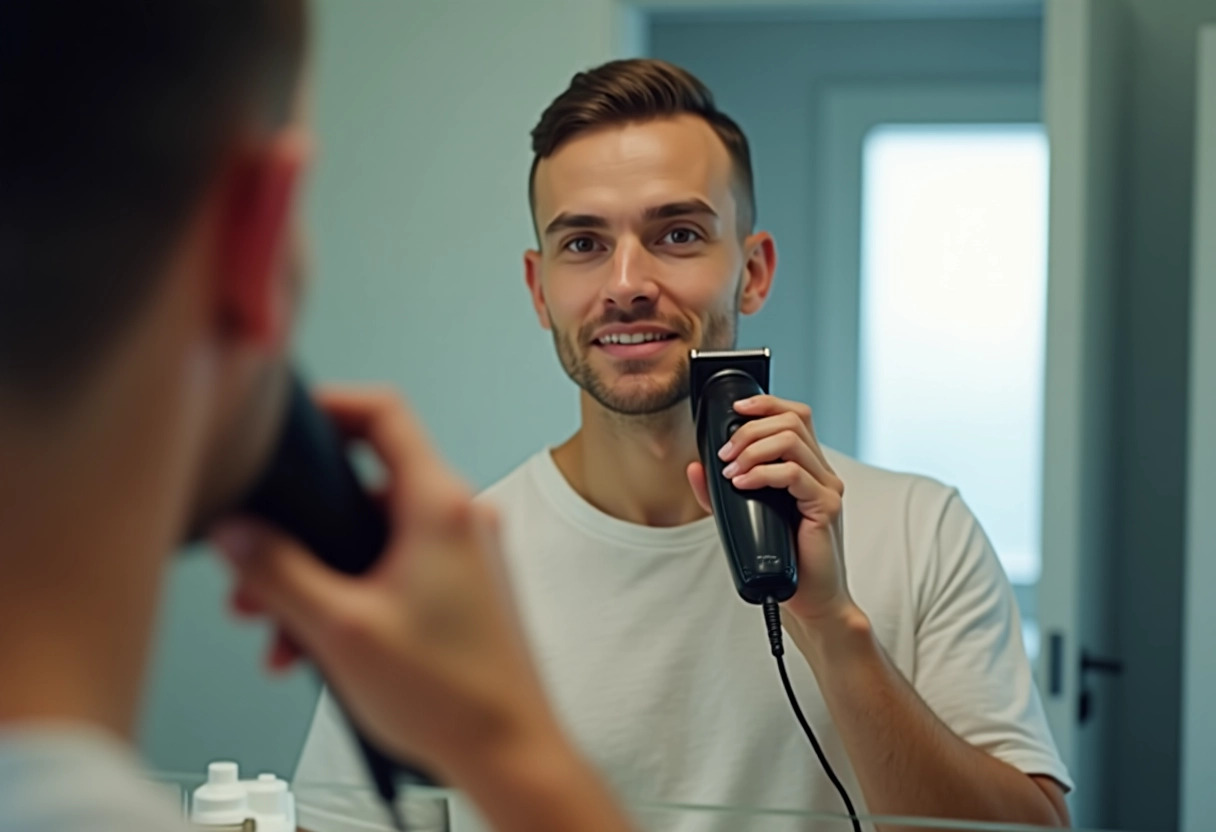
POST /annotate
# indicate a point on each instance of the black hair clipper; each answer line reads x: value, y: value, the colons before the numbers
x: 756, y: 525
x: 309, y: 490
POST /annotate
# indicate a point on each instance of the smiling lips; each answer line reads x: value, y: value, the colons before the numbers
x: 633, y: 342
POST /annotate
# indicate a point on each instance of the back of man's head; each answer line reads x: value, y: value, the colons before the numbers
x: 114, y: 114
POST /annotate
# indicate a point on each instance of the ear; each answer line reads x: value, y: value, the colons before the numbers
x: 254, y: 289
x: 758, y: 271
x: 532, y: 265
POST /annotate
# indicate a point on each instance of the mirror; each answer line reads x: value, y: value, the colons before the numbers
x: 983, y: 215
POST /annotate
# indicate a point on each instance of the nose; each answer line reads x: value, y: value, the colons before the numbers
x: 632, y: 279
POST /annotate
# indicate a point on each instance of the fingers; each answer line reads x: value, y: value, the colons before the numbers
x: 771, y: 417
x: 278, y: 577
x: 243, y: 604
x: 787, y: 446
x: 283, y: 652
x: 358, y: 409
x: 792, y: 415
x: 765, y: 405
x: 381, y: 418
x: 815, y: 500
x: 760, y: 427
x: 696, y: 478
x: 422, y: 488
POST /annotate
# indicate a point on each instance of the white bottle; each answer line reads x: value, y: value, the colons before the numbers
x: 271, y: 804
x: 222, y: 800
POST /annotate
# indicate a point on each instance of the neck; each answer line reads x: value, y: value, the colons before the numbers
x: 634, y: 467
x: 89, y: 508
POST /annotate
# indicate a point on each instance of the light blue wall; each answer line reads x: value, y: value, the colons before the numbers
x: 768, y: 76
x: 419, y: 217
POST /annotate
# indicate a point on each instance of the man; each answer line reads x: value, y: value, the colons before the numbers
x: 908, y: 659
x: 150, y: 165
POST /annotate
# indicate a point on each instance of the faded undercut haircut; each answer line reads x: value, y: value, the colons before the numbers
x: 639, y: 90
x: 114, y: 115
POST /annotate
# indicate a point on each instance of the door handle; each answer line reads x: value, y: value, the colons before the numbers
x: 1093, y: 664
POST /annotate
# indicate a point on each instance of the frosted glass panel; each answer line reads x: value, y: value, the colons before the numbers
x: 953, y: 294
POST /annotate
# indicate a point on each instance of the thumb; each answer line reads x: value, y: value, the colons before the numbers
x: 696, y: 478
x: 285, y: 581
x: 283, y: 653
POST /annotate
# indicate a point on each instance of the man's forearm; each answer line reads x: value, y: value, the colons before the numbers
x: 546, y: 787
x: 907, y: 760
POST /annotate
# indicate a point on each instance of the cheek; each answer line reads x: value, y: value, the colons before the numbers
x: 708, y: 292
x: 568, y: 307
x: 574, y: 294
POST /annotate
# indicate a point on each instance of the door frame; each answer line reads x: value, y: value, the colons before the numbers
x: 1199, y: 671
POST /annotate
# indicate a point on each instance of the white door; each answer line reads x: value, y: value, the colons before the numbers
x: 1084, y: 54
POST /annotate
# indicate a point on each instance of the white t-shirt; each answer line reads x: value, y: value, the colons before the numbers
x: 77, y: 779
x: 664, y: 678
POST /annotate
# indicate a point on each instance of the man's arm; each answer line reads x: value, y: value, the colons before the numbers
x: 907, y: 761
x: 427, y: 650
x: 907, y: 758
x: 542, y: 785
x: 538, y: 784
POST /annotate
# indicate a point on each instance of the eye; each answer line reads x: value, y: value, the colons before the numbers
x: 580, y: 245
x: 681, y: 236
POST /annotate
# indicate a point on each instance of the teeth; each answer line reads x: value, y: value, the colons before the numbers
x: 635, y: 338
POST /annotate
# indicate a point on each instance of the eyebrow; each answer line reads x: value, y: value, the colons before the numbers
x: 686, y: 208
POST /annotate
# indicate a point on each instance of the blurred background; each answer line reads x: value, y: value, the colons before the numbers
x: 996, y: 231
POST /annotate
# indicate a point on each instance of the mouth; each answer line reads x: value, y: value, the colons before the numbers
x: 634, y: 344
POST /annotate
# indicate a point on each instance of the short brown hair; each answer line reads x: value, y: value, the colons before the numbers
x: 115, y: 116
x: 633, y: 90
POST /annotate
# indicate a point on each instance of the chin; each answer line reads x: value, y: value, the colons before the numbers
x: 642, y: 395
